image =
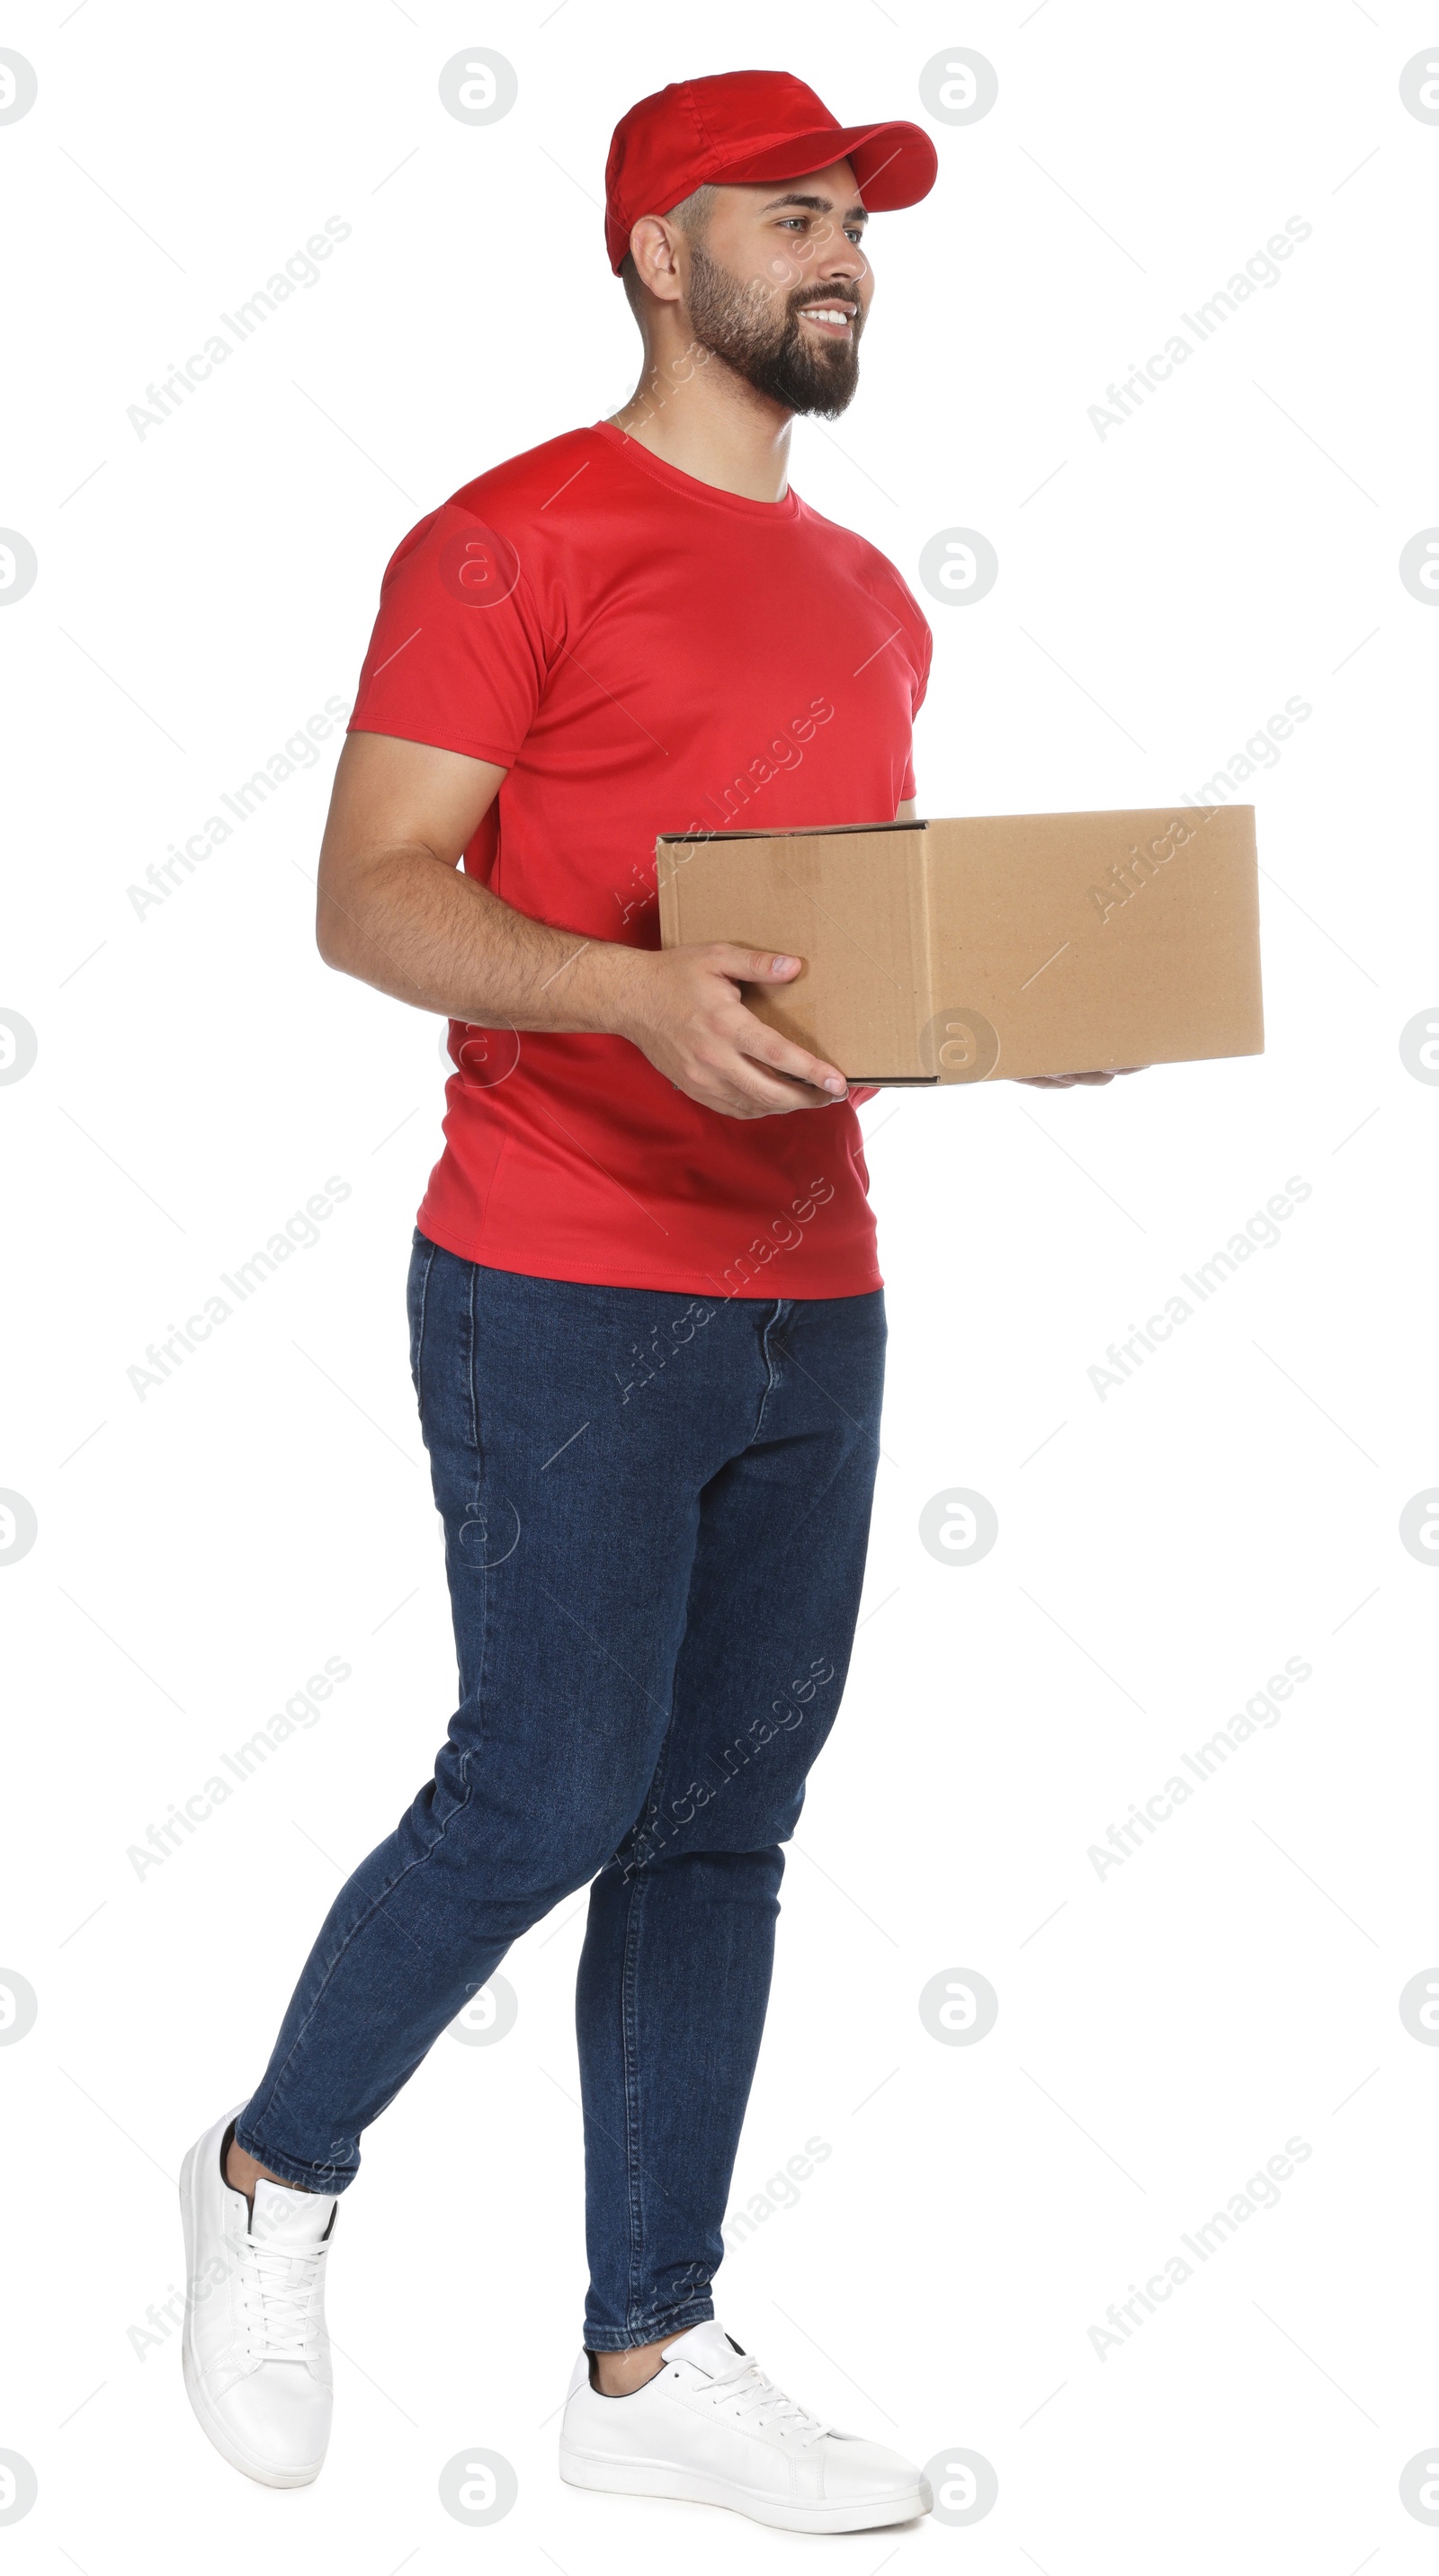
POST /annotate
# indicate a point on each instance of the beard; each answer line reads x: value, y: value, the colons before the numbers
x: 764, y: 340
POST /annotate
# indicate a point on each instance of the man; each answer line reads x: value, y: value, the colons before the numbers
x: 647, y: 1326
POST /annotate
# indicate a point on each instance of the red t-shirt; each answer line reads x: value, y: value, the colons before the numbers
x: 641, y: 653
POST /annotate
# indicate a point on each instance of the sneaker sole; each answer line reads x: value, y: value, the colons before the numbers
x: 224, y: 2442
x: 692, y: 2486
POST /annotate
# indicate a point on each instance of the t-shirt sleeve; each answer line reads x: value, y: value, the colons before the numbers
x: 458, y: 653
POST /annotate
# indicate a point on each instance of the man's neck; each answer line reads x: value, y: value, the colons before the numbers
x: 699, y: 416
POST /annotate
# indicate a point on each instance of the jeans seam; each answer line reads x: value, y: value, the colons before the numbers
x: 473, y: 1390
x: 486, y: 1614
x: 633, y: 2106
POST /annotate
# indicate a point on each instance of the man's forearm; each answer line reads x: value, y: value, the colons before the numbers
x: 396, y: 911
x: 431, y: 936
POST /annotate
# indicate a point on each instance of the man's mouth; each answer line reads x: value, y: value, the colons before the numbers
x: 832, y: 319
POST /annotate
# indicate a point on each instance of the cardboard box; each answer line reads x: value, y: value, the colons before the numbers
x: 1000, y: 945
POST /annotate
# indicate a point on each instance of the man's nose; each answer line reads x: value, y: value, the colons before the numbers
x: 841, y: 261
x: 838, y: 252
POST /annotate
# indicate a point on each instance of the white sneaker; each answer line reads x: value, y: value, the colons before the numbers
x: 256, y: 2355
x: 710, y: 2428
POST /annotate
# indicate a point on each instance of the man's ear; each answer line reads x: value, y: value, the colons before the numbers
x: 654, y: 248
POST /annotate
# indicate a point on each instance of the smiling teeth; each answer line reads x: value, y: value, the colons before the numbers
x: 825, y: 313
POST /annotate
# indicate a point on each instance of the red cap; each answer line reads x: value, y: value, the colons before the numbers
x: 744, y: 128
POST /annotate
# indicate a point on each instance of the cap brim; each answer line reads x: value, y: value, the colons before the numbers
x: 894, y: 165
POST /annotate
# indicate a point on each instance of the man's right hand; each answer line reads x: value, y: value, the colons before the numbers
x: 681, y: 1007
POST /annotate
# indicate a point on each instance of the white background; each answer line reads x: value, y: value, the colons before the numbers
x: 1163, y: 2030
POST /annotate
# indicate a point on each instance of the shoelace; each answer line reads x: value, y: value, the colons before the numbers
x: 277, y: 2283
x: 753, y: 2393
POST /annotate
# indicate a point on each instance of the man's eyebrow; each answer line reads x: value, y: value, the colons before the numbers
x: 858, y: 214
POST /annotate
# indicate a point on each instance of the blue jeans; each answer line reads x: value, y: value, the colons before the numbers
x: 656, y: 1510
